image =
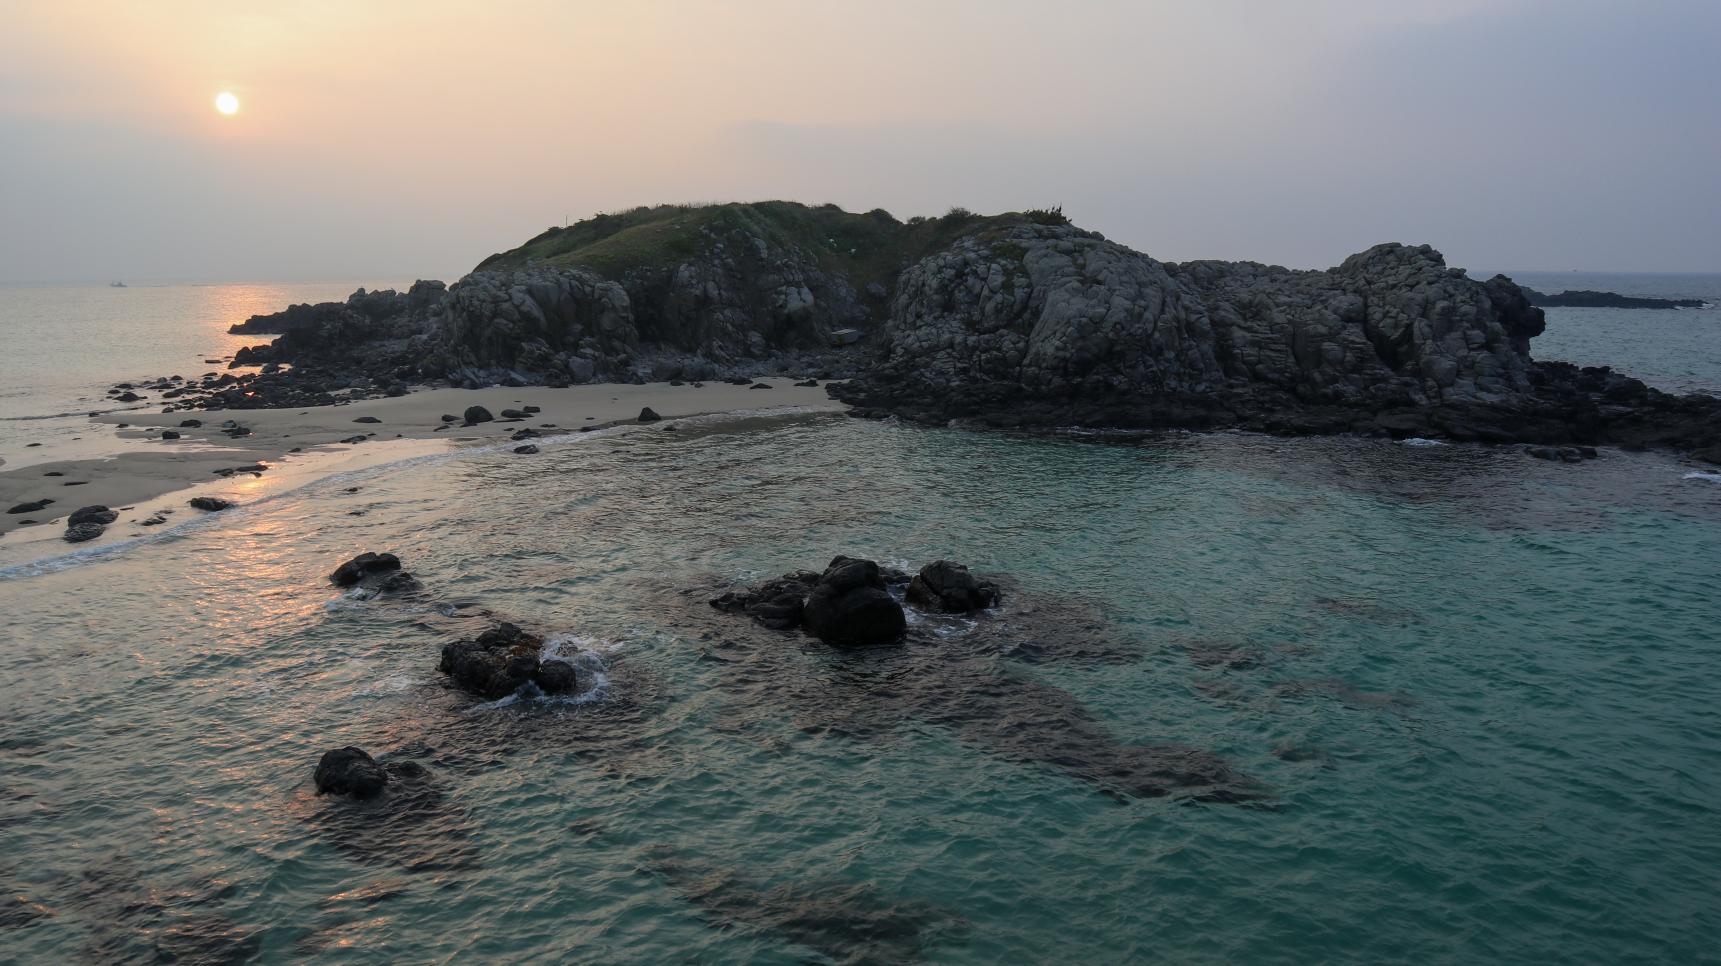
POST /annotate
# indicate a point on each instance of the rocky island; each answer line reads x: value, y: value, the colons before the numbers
x: 1013, y: 320
x: 1588, y: 299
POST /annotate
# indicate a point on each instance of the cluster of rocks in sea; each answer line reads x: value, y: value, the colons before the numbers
x: 850, y: 604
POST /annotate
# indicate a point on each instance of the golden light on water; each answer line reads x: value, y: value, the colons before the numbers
x: 227, y: 102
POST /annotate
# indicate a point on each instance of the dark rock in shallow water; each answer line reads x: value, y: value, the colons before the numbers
x: 350, y: 771
x: 760, y: 385
x: 362, y: 566
x: 190, y: 423
x: 210, y: 503
x: 502, y: 660
x: 450, y: 418
x: 169, y: 434
x: 92, y: 514
x: 808, y: 384
x: 78, y: 533
x: 30, y: 507
x: 648, y: 415
x: 949, y: 587
x: 1562, y: 454
x: 367, y: 419
x: 777, y: 604
x: 526, y: 450
x: 477, y: 414
x: 843, y: 922
x: 514, y: 414
x: 849, y: 606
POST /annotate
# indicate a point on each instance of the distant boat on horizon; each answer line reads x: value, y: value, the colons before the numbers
x: 116, y: 285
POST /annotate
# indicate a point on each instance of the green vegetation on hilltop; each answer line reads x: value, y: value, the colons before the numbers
x: 866, y: 248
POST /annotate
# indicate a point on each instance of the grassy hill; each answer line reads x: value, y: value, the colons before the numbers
x: 868, y: 247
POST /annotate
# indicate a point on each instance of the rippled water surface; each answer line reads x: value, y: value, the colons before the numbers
x: 1476, y: 691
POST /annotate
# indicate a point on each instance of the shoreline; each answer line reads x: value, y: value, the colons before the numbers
x: 307, y: 442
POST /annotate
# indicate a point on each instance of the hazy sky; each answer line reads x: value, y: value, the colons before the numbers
x: 413, y: 139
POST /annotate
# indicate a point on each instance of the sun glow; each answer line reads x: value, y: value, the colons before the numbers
x: 227, y: 102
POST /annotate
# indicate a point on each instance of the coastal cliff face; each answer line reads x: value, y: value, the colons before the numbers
x: 1052, y: 313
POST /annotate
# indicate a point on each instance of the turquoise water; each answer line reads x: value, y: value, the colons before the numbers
x: 1477, y: 688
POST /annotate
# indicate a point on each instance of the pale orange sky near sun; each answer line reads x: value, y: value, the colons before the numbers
x: 422, y: 136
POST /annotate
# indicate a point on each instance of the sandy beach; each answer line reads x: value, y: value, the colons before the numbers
x: 140, y: 466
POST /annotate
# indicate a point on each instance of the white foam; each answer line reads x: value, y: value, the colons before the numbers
x: 585, y: 653
x: 1699, y: 475
x: 1419, y: 441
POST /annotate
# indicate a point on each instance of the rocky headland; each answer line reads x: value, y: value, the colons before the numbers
x: 1014, y: 320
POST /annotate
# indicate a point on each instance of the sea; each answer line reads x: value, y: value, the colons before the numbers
x: 1477, y: 692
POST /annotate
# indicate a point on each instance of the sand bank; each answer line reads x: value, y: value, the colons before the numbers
x: 144, y: 467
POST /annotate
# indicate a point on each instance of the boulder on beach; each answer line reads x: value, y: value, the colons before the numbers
x: 92, y: 514
x: 514, y: 414
x: 502, y: 660
x: 79, y: 532
x: 190, y: 423
x: 850, y: 607
x: 367, y: 419
x: 350, y: 771
x: 169, y: 434
x: 949, y: 587
x: 648, y: 415
x: 477, y: 414
x: 30, y: 507
x: 210, y: 503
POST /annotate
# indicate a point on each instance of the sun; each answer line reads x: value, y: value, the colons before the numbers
x: 227, y: 102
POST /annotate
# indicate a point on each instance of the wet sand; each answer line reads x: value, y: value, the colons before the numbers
x: 136, y: 465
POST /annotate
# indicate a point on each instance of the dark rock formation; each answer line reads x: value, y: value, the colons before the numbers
x: 1050, y: 325
x: 477, y: 414
x: 850, y: 607
x: 502, y: 660
x: 210, y: 503
x: 30, y: 507
x: 949, y: 587
x: 92, y: 514
x: 649, y: 415
x: 375, y: 573
x: 350, y: 771
x: 526, y: 450
x: 777, y: 604
x: 1587, y: 299
x: 80, y: 532
x: 1013, y: 320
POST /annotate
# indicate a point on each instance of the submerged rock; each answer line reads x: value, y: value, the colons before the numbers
x: 526, y: 450
x: 212, y: 504
x: 949, y: 587
x: 501, y: 661
x: 30, y: 507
